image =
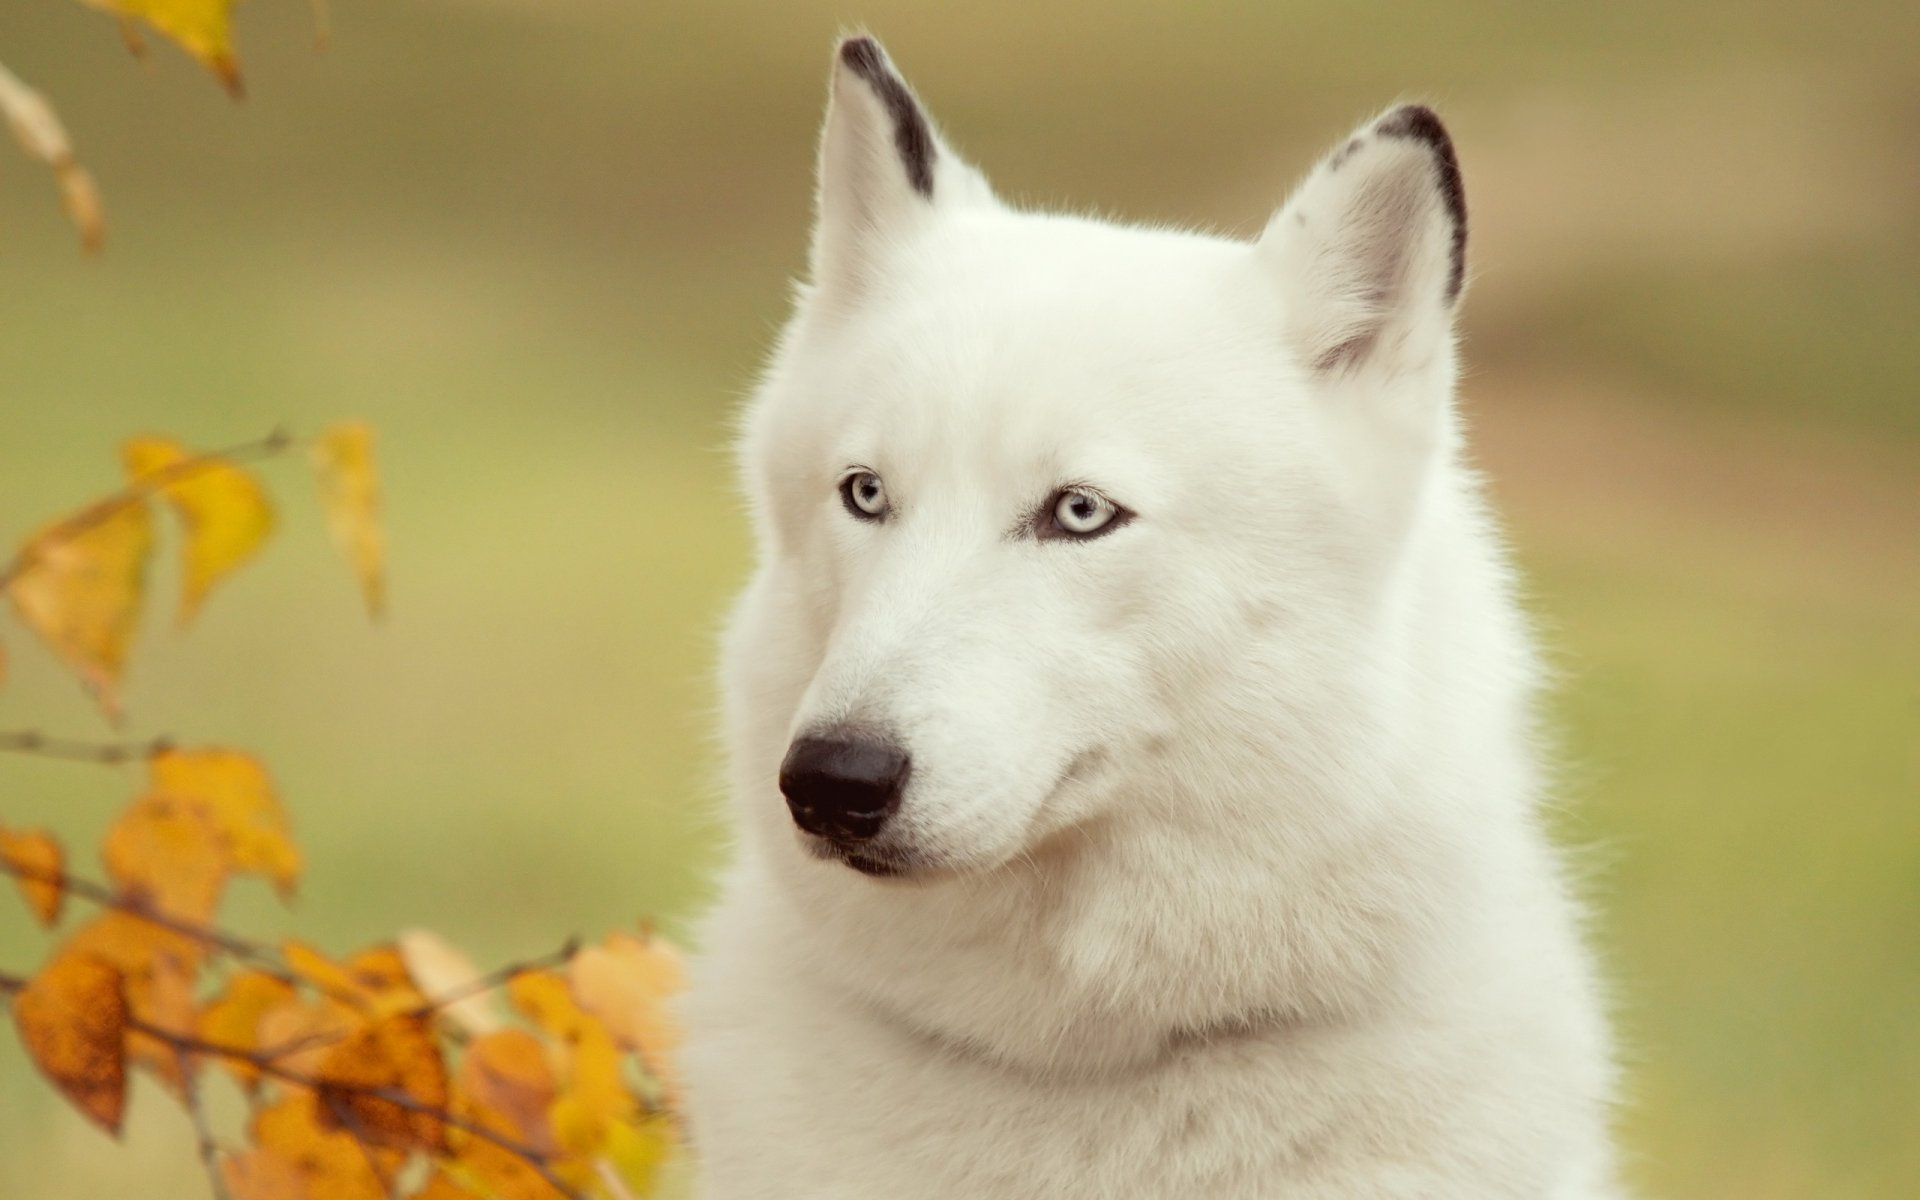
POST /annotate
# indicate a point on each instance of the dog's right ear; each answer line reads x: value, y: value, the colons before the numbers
x: 884, y: 171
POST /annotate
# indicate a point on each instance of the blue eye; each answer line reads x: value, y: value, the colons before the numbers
x: 1080, y: 513
x: 864, y: 495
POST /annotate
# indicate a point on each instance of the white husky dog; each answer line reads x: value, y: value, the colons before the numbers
x: 1130, y: 718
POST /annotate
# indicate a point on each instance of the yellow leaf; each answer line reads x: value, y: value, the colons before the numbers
x: 38, y: 130
x: 231, y: 793
x: 203, y: 28
x: 165, y: 855
x: 441, y: 969
x: 222, y: 508
x: 78, y: 587
x: 638, y: 1149
x: 234, y: 1018
x: 36, y: 853
x: 73, y: 1021
x: 625, y: 983
x: 350, y: 491
x: 593, y: 1092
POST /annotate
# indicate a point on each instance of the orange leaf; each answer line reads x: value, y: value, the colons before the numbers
x: 373, y: 982
x: 164, y: 854
x: 301, y: 1033
x: 73, y: 1021
x: 509, y: 1083
x: 162, y: 997
x: 263, y: 1175
x: 222, y: 508
x: 441, y: 969
x: 36, y: 853
x: 203, y: 28
x: 234, y: 1017
x: 79, y: 589
x: 137, y: 947
x: 498, y: 1174
x: 399, y: 1055
x: 350, y: 491
x: 625, y: 983
x: 231, y: 793
x: 331, y: 1164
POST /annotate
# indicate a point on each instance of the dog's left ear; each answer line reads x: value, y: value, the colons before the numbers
x: 1371, y: 252
x: 884, y: 171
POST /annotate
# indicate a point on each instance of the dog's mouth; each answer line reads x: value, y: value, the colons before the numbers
x: 875, y: 867
x: 866, y: 858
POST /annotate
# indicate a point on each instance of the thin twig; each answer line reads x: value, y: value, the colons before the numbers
x: 277, y: 442
x: 534, y: 1158
x: 202, y: 1130
x: 11, y: 983
x: 345, y: 1117
x: 256, y: 955
x: 113, y: 754
x: 498, y: 977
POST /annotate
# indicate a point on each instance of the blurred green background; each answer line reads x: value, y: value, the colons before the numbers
x: 542, y: 245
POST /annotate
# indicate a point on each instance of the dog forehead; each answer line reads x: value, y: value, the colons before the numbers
x: 1014, y: 323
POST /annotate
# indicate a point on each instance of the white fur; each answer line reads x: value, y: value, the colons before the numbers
x: 1234, y: 880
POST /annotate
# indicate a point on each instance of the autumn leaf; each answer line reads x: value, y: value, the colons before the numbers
x: 637, y: 1150
x: 300, y: 1033
x: 203, y: 28
x: 38, y: 130
x: 78, y: 586
x: 331, y: 1164
x: 593, y: 1097
x: 162, y: 998
x: 72, y: 1018
x: 442, y: 1187
x: 231, y: 793
x: 36, y: 853
x: 441, y: 969
x: 234, y: 1017
x: 509, y: 1082
x: 625, y: 983
x: 398, y: 1055
x: 373, y: 982
x: 263, y: 1175
x: 222, y: 509
x: 350, y: 492
x: 164, y: 854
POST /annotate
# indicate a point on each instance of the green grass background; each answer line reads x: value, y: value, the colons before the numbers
x: 541, y: 244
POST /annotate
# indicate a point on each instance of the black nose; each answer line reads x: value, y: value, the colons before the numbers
x: 843, y: 786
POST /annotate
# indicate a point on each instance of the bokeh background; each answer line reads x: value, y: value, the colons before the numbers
x: 542, y: 245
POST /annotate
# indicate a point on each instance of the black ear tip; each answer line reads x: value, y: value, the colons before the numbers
x: 863, y: 55
x: 1419, y: 123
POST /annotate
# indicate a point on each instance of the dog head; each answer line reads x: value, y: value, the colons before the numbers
x: 1051, y: 510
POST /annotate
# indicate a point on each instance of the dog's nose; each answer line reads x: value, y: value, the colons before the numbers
x: 843, y: 786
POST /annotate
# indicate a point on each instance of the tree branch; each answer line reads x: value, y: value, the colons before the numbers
x: 202, y: 1130
x: 260, y: 957
x: 113, y: 754
x: 277, y: 442
x: 538, y: 1160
